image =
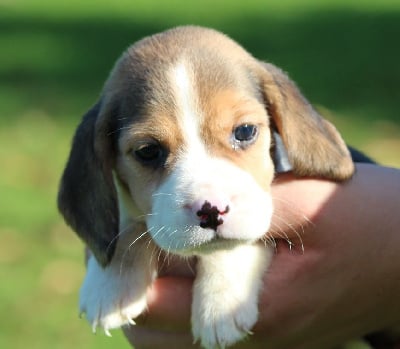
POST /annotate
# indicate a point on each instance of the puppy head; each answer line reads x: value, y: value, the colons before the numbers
x: 184, y: 124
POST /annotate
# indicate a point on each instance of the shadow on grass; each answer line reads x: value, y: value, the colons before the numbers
x: 346, y: 61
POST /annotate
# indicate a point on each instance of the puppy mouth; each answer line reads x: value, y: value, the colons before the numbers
x: 198, y: 240
x: 216, y: 243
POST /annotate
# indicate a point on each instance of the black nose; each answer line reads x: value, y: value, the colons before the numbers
x: 210, y: 216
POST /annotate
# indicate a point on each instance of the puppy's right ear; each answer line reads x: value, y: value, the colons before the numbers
x: 87, y: 196
x: 313, y: 145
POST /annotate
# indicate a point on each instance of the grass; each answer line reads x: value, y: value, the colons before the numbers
x: 54, y: 58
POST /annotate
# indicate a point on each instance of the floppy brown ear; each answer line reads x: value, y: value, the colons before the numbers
x: 87, y: 196
x: 314, y: 146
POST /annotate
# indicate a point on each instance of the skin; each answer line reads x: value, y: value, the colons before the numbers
x: 344, y: 284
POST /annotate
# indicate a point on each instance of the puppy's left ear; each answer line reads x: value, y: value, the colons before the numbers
x: 314, y: 146
x: 87, y: 197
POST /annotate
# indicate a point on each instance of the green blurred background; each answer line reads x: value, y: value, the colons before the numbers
x: 54, y: 57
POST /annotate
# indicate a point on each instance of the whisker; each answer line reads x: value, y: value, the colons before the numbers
x: 190, y: 266
x: 151, y: 253
x: 150, y: 240
x: 158, y: 231
x: 289, y: 202
x: 159, y: 255
x: 281, y: 234
x: 280, y: 231
x: 269, y: 241
x: 144, y: 216
x: 292, y: 228
x: 166, y: 261
x: 129, y: 247
x: 172, y: 233
x: 123, y: 231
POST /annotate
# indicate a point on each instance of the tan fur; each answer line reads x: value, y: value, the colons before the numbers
x: 315, y: 147
x: 221, y: 67
x: 138, y: 103
x: 224, y: 112
x: 138, y: 178
x: 188, y: 89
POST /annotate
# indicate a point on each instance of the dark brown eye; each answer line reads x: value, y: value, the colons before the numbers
x: 150, y: 154
x: 244, y: 135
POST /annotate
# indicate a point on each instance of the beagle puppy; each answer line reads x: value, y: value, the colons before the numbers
x: 178, y: 156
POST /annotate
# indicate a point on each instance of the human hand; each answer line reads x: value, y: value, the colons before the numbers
x: 344, y: 285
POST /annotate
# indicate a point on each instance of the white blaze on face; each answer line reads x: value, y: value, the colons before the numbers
x: 189, y: 116
x: 199, y: 177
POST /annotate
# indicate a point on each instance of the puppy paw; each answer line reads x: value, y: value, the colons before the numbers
x: 222, y: 325
x: 224, y: 308
x: 110, y: 297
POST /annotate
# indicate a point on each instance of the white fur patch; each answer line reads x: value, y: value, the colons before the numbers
x: 224, y: 308
x: 113, y: 296
x: 108, y: 297
x: 189, y: 115
x: 194, y: 181
x: 231, y: 263
x: 225, y: 294
x: 198, y: 177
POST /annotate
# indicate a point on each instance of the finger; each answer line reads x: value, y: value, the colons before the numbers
x: 297, y: 204
x: 169, y: 302
x: 176, y: 266
x: 144, y: 338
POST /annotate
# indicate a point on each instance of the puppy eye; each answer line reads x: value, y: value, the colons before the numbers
x: 150, y: 153
x: 245, y: 133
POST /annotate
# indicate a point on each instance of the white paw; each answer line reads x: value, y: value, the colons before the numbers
x: 225, y: 307
x: 221, y: 325
x: 111, y: 297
